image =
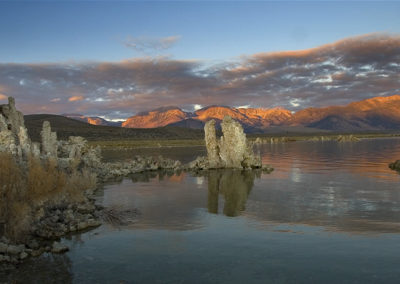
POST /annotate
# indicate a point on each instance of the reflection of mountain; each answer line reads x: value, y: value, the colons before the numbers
x: 234, y: 186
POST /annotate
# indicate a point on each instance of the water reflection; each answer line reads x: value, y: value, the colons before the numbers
x: 234, y: 186
x: 368, y: 158
x: 47, y: 268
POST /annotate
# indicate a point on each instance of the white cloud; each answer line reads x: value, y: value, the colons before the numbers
x: 197, y: 107
x: 327, y: 79
x: 112, y: 91
x: 295, y: 102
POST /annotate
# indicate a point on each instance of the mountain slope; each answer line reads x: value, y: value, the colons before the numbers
x: 156, y: 118
x: 250, y: 118
x: 94, y: 120
x: 379, y: 113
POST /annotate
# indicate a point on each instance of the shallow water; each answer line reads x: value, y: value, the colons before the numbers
x: 328, y: 213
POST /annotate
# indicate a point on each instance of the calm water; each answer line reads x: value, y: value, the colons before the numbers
x: 329, y: 213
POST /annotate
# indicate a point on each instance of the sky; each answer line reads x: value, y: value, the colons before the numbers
x: 118, y: 58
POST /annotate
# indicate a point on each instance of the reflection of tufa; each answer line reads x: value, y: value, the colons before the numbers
x: 234, y: 186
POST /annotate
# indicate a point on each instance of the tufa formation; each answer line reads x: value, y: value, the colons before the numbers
x: 232, y: 150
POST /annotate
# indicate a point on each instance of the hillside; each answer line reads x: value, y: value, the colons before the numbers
x: 379, y: 113
x: 66, y: 127
x: 156, y: 118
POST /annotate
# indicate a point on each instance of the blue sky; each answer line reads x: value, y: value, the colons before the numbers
x: 61, y: 31
x: 115, y: 59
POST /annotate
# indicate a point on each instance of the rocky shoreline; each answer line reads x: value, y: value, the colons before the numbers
x: 73, y: 159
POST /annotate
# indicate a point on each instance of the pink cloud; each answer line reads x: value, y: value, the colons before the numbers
x: 76, y: 98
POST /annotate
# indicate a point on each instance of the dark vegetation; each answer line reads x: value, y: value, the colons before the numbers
x: 66, y: 127
x: 25, y: 188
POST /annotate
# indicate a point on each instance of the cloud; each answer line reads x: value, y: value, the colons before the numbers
x: 3, y: 97
x: 151, y: 44
x: 74, y: 98
x: 337, y: 73
x: 197, y: 106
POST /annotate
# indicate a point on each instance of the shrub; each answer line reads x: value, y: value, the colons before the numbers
x: 27, y: 187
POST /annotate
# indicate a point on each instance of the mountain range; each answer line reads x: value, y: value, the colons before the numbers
x: 374, y: 114
x: 94, y: 120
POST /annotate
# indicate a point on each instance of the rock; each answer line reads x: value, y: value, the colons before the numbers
x: 93, y: 223
x: 8, y: 142
x: 59, y: 248
x: 49, y: 141
x: 3, y: 123
x: 232, y: 151
x: 12, y: 118
x: 36, y: 149
x: 5, y: 258
x: 201, y: 163
x: 233, y: 144
x: 395, y: 165
x: 15, y: 249
x: 24, y: 141
x: 82, y: 225
x: 210, y: 137
x: 267, y: 168
x: 23, y: 255
x: 33, y: 244
x: 37, y: 252
x: 347, y: 138
x: 3, y: 248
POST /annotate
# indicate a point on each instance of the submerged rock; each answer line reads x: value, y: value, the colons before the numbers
x: 136, y: 165
x: 59, y: 248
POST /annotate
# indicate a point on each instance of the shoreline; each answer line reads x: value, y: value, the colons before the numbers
x: 150, y: 144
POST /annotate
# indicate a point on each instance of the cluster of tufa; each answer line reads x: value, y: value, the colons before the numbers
x: 14, y: 139
x: 13, y: 134
x: 232, y: 150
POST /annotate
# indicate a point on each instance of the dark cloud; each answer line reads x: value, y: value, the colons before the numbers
x: 351, y: 69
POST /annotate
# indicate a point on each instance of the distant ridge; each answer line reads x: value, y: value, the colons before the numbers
x: 378, y: 113
x: 156, y: 118
x: 95, y: 120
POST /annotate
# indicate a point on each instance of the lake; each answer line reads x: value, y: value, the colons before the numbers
x: 328, y: 213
